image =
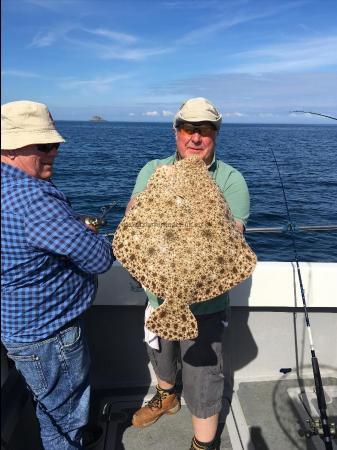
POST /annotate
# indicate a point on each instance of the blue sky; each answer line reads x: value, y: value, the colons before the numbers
x: 135, y: 60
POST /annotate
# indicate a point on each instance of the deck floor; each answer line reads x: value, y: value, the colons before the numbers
x: 271, y: 418
x: 265, y: 415
x: 275, y: 416
x: 170, y: 432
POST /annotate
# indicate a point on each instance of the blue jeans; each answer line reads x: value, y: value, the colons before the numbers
x: 56, y: 371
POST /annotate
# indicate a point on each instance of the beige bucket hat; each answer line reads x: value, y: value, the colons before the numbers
x: 198, y: 109
x: 25, y: 123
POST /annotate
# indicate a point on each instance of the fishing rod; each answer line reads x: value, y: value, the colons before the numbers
x: 315, y: 113
x: 323, y: 426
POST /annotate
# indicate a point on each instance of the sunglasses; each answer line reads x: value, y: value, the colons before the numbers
x: 47, y: 148
x: 203, y: 130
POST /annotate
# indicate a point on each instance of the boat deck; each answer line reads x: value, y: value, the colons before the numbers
x: 264, y: 415
x: 266, y: 334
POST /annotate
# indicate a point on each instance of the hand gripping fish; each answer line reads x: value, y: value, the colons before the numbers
x: 180, y: 241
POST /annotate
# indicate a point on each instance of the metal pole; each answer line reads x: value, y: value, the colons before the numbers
x: 291, y: 228
x: 277, y: 230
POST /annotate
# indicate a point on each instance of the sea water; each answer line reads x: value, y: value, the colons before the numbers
x: 99, y: 164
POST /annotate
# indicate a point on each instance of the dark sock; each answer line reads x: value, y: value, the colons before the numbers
x: 201, y: 445
x: 169, y: 391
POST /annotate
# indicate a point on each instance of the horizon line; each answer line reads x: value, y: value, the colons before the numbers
x: 169, y: 122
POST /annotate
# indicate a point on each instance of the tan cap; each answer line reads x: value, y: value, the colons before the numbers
x: 25, y: 123
x: 198, y: 109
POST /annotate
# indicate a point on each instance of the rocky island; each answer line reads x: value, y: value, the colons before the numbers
x: 97, y: 119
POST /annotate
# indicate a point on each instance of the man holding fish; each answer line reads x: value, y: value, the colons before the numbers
x: 196, y: 125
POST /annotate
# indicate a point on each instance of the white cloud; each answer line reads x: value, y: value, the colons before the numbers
x: 19, y: 73
x: 123, y: 47
x: 131, y: 114
x: 167, y: 113
x: 253, y: 94
x: 314, y: 53
x: 304, y: 115
x: 200, y: 33
x: 151, y: 113
x: 137, y: 54
x: 232, y: 19
x: 233, y: 114
x: 97, y: 85
x: 114, y: 35
x: 45, y: 38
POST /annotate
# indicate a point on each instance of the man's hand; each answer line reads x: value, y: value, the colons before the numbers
x: 240, y: 226
x: 89, y: 222
x: 166, y: 170
x: 130, y: 204
x: 92, y: 227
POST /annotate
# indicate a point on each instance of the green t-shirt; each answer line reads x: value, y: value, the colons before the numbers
x: 235, y: 191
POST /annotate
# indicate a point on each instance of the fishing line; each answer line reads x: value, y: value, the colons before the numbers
x: 314, y: 361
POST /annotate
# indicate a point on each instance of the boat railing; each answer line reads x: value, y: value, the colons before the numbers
x: 292, y: 228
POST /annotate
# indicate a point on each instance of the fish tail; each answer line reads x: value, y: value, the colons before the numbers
x: 173, y: 322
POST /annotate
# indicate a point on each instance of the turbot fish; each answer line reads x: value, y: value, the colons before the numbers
x: 180, y: 241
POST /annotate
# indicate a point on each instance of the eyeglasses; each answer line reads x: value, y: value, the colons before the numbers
x: 47, y: 148
x: 203, y: 130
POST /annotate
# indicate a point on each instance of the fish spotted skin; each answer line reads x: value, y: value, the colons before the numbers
x: 180, y: 241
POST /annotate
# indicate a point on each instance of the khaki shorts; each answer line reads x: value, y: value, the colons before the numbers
x: 201, y: 362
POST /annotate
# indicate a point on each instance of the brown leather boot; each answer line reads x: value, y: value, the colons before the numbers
x: 163, y: 402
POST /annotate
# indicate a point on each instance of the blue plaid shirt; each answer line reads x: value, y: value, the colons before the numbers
x: 49, y: 259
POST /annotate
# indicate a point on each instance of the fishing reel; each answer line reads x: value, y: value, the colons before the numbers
x: 315, y: 429
x: 96, y: 223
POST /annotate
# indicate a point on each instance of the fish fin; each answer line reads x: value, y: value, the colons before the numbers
x: 174, y: 322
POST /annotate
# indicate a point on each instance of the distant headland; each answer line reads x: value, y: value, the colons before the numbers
x: 97, y: 119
